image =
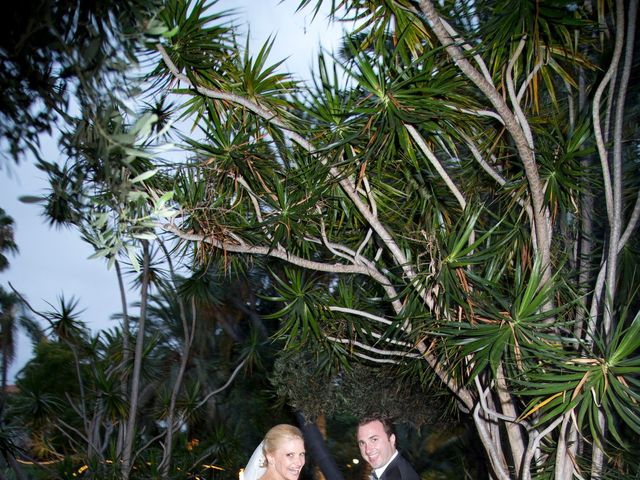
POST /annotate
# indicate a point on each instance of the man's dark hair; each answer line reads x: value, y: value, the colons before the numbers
x: 386, y: 421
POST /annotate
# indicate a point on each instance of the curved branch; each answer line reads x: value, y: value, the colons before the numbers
x: 595, y: 113
x: 482, y: 397
x: 253, y: 197
x: 495, y: 457
x: 376, y: 360
x: 478, y: 59
x: 478, y: 113
x: 631, y: 224
x: 330, y: 245
x: 375, y: 318
x: 360, y: 313
x: 436, y: 164
x: 225, y: 386
x: 347, y: 185
x: 527, y: 81
x: 533, y: 446
x: 377, y: 351
x: 493, y: 173
x: 511, y: 89
x: 374, y: 210
x: 520, y: 138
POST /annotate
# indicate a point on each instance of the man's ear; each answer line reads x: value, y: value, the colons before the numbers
x: 392, y: 439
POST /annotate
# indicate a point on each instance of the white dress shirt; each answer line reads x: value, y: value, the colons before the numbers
x: 380, y: 471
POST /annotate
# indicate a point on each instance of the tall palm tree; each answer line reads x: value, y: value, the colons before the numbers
x: 8, y: 302
x: 7, y: 241
x: 8, y: 326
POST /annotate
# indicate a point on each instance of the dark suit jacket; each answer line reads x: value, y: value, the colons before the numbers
x: 399, y: 469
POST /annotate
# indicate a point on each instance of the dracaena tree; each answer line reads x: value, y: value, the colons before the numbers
x: 456, y: 194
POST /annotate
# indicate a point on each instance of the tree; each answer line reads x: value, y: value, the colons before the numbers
x: 103, y: 192
x: 56, y: 55
x: 444, y: 187
x: 7, y: 240
x: 8, y: 326
x: 8, y: 302
x: 72, y: 407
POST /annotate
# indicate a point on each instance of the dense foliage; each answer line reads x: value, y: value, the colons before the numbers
x: 59, y: 55
x: 455, y: 197
x: 435, y: 197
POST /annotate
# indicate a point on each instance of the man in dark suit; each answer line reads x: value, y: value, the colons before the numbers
x: 377, y: 442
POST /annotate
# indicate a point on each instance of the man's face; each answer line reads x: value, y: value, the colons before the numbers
x: 375, y: 446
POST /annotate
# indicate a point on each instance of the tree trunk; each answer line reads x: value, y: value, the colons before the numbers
x: 125, y: 355
x: 137, y: 369
x: 15, y: 466
x: 318, y: 449
x: 165, y: 464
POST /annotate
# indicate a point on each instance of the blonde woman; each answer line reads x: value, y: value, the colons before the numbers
x: 280, y: 456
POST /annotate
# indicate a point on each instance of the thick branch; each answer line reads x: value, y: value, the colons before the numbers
x: 278, y: 252
x: 516, y: 130
x: 595, y: 112
x: 347, y: 185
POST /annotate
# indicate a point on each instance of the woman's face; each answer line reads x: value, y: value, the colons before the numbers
x: 287, y: 460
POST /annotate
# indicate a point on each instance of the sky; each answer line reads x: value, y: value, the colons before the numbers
x: 54, y: 262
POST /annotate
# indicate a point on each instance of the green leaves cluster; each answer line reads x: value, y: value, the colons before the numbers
x: 255, y: 180
x: 399, y: 193
x: 583, y: 386
x: 59, y: 54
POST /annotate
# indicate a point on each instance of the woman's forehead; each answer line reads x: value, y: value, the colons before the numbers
x: 290, y: 444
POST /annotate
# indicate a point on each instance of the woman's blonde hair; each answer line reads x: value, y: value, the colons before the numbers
x: 279, y: 434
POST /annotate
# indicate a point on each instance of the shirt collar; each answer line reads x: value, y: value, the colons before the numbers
x: 380, y: 471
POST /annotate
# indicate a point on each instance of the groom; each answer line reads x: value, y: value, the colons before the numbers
x: 377, y: 442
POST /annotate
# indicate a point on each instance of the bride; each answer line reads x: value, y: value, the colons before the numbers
x: 280, y: 456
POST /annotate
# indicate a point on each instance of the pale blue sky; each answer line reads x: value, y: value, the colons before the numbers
x: 55, y: 262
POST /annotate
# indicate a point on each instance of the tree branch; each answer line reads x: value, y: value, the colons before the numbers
x: 520, y: 138
x: 377, y: 351
x: 436, y: 164
x: 347, y: 185
x: 225, y: 386
x: 534, y: 443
